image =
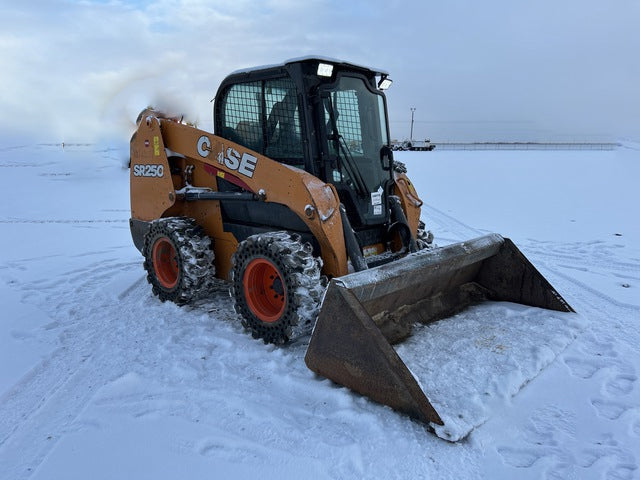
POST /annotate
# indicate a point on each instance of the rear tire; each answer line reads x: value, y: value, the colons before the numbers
x: 178, y: 259
x: 276, y: 286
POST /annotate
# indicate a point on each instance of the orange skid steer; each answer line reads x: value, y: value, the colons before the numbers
x: 297, y: 202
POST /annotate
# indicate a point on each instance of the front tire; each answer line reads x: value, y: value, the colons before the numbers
x: 424, y: 237
x: 276, y: 286
x: 178, y: 259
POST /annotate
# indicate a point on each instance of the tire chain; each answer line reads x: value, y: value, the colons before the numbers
x: 302, y: 277
x: 424, y: 237
x: 399, y: 167
x: 195, y: 259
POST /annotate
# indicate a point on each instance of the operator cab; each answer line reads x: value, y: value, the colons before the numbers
x: 321, y: 115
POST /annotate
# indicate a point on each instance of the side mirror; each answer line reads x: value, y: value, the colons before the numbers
x: 386, y: 157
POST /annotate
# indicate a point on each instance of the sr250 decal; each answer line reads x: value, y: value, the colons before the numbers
x: 148, y: 170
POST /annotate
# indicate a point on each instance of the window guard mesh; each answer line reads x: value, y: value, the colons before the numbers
x: 264, y: 117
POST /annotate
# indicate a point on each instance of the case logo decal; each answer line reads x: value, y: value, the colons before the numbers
x: 244, y: 164
x: 204, y: 146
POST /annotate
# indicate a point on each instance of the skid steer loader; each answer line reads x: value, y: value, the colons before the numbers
x: 297, y: 188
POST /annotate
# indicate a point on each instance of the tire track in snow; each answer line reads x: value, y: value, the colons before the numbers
x: 104, y: 335
x: 591, y: 359
x: 442, y: 225
x: 37, y: 411
x: 201, y: 357
x: 34, y: 427
x: 584, y: 255
x: 124, y: 353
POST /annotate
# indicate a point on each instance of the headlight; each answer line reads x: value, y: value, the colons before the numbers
x: 384, y: 83
x: 325, y: 70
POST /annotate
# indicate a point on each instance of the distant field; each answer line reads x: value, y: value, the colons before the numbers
x: 525, y: 146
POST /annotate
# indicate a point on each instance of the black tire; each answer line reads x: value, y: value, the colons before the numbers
x: 178, y: 259
x: 424, y: 237
x: 276, y: 286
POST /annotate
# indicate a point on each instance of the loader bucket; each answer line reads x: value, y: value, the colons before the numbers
x: 364, y: 313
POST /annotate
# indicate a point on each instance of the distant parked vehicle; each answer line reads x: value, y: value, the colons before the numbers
x: 414, y: 145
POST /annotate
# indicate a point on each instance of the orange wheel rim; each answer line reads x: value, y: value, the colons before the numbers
x: 165, y: 263
x: 264, y: 290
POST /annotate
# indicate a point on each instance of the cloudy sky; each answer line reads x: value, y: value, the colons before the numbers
x: 81, y: 70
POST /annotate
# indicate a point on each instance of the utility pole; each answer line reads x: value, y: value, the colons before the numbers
x: 411, y: 136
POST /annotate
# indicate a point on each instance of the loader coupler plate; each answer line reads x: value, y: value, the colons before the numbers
x: 364, y: 313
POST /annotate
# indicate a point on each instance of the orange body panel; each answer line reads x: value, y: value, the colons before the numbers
x: 152, y: 190
x: 155, y: 192
x: 409, y: 199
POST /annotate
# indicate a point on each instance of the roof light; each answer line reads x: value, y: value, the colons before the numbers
x: 384, y: 83
x: 325, y: 70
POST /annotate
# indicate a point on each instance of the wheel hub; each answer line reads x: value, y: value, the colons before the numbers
x: 277, y: 286
x: 165, y: 263
x: 264, y: 290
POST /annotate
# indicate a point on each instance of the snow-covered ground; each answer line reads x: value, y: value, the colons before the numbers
x: 100, y: 380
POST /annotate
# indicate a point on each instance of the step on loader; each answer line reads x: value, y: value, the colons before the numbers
x: 296, y: 201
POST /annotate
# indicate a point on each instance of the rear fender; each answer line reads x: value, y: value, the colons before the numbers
x: 151, y: 188
x: 409, y: 199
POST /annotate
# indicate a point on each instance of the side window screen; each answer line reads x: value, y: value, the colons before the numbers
x: 243, y: 115
x: 348, y: 119
x: 264, y: 117
x: 283, y: 137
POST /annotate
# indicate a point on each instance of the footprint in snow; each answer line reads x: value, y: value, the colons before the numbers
x: 548, y: 428
x: 621, y: 384
x: 546, y: 439
x: 582, y: 367
x: 520, y: 457
x: 619, y: 462
x: 609, y: 410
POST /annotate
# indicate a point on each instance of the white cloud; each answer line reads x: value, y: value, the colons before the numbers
x: 77, y: 70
